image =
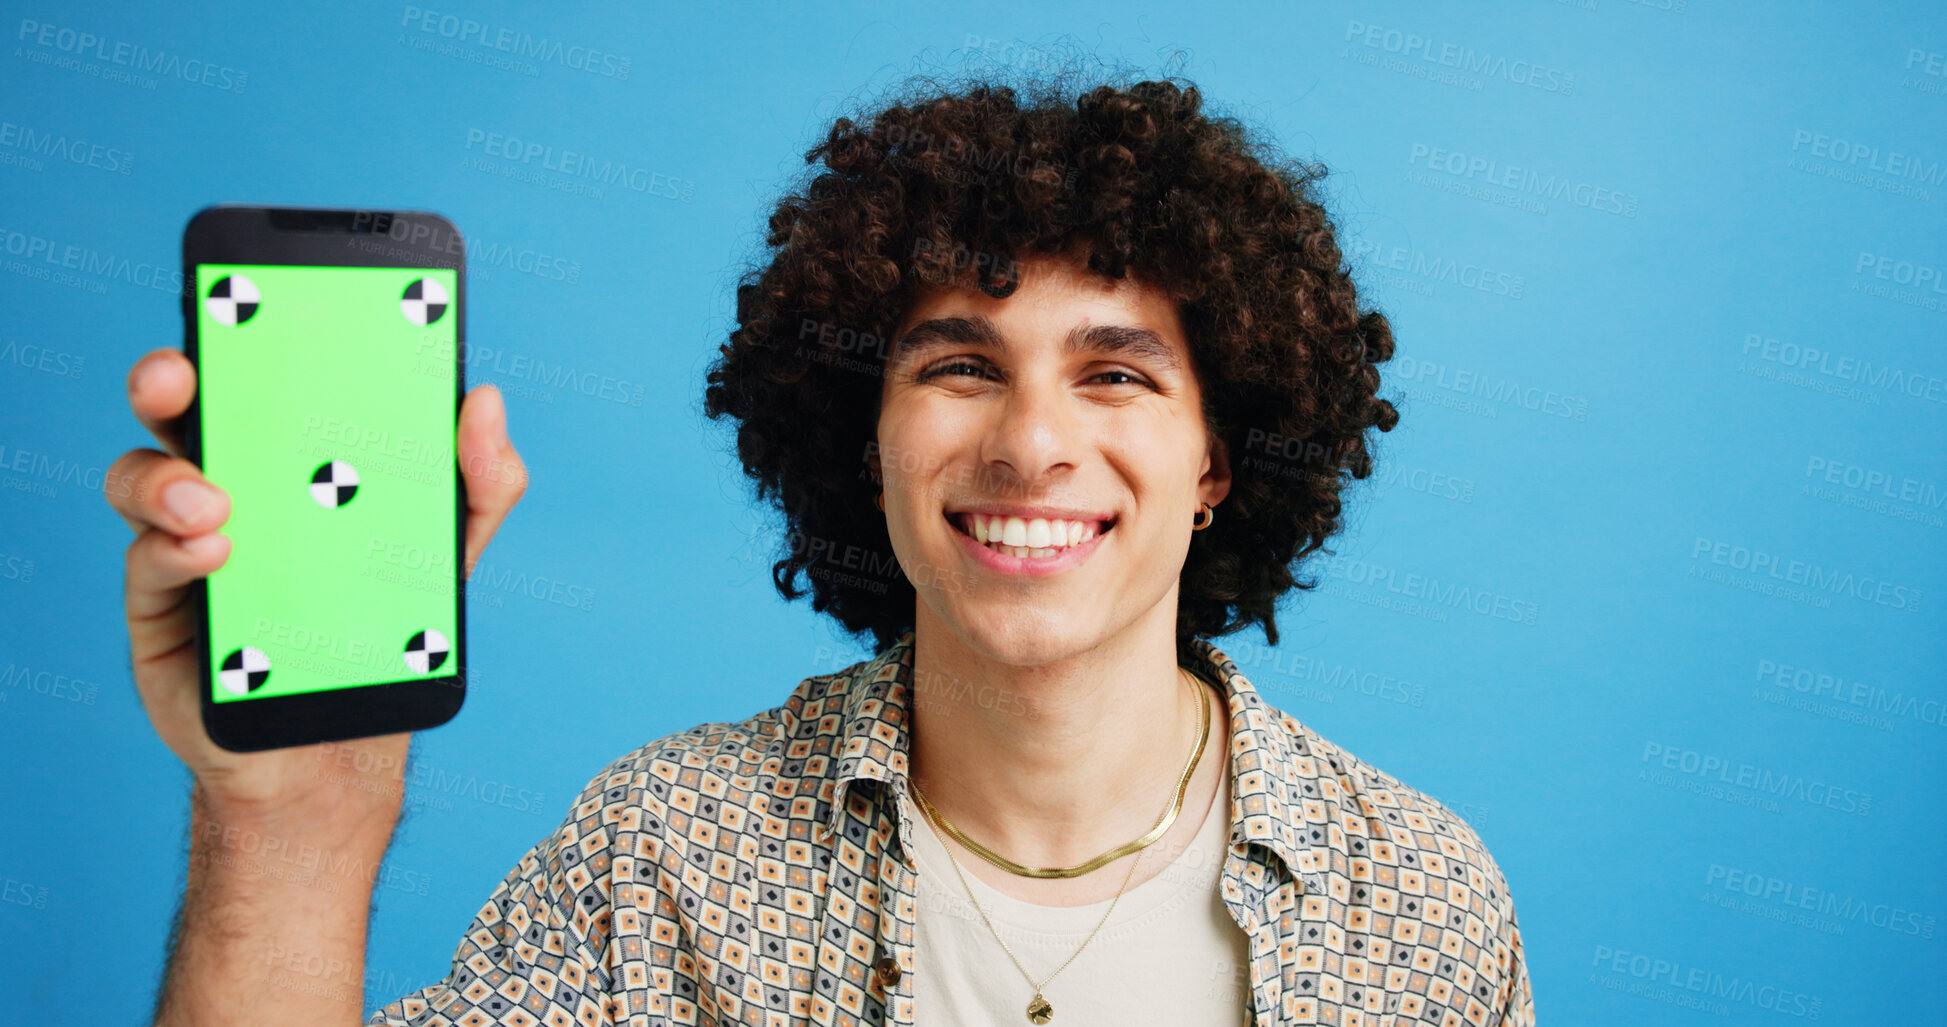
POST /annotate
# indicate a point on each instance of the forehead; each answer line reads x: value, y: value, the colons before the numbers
x: 1056, y: 292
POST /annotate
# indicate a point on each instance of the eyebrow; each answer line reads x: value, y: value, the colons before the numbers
x: 980, y: 333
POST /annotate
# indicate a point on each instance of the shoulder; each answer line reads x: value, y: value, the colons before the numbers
x: 716, y: 772
x: 1391, y: 828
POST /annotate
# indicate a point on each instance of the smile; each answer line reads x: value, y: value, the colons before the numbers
x: 1028, y: 545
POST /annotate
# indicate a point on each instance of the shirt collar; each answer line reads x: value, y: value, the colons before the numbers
x: 1274, y: 773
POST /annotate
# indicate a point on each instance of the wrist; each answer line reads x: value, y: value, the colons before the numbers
x: 312, y: 856
x: 362, y: 778
x: 321, y: 827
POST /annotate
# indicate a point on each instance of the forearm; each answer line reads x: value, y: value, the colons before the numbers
x: 272, y: 926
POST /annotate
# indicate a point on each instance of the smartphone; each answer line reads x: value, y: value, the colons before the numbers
x: 329, y: 373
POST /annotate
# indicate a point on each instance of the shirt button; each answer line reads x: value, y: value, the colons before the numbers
x: 887, y: 971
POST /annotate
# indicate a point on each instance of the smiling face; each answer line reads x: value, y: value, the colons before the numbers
x: 1064, y: 425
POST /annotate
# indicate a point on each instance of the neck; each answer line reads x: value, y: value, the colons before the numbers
x: 1051, y: 762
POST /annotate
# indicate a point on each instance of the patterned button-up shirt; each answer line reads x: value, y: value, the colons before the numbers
x: 761, y: 872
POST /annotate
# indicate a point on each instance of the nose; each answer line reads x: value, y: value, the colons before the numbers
x: 1037, y: 432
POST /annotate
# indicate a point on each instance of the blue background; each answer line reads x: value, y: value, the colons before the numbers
x: 1688, y: 440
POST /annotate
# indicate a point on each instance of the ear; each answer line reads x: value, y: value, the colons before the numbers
x: 1215, y: 483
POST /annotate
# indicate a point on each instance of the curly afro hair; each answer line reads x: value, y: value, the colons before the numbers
x: 951, y: 186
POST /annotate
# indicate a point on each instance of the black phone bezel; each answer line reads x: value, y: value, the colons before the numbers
x: 326, y: 237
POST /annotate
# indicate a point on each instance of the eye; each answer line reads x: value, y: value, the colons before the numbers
x: 979, y: 369
x: 939, y: 369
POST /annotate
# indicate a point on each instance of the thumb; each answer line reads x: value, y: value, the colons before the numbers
x: 494, y: 473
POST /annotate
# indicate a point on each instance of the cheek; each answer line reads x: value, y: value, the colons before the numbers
x: 1158, y: 460
x: 908, y: 420
x: 924, y: 448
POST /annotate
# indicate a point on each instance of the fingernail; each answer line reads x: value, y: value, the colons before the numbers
x: 186, y: 499
x: 499, y: 406
x: 143, y: 374
x: 201, y: 545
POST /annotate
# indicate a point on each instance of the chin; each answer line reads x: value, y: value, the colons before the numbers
x: 1022, y: 637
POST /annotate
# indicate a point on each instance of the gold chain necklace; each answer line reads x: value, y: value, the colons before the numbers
x: 1039, y: 1009
x: 1162, y: 823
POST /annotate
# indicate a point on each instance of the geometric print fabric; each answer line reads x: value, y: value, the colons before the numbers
x: 760, y: 872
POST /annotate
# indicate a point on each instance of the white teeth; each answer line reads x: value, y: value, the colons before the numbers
x: 1036, y: 537
x: 1023, y: 551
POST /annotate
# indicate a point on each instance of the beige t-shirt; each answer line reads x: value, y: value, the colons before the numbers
x: 1169, y: 954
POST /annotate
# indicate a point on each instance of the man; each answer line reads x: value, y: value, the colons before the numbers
x: 1097, y: 312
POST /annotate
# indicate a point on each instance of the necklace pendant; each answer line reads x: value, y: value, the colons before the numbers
x: 1039, y: 1011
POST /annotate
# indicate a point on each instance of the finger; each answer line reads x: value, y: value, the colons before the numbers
x: 494, y: 473
x: 160, y: 386
x: 158, y: 565
x: 163, y: 629
x: 152, y: 489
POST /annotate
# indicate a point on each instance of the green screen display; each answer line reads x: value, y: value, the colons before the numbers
x: 327, y: 413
